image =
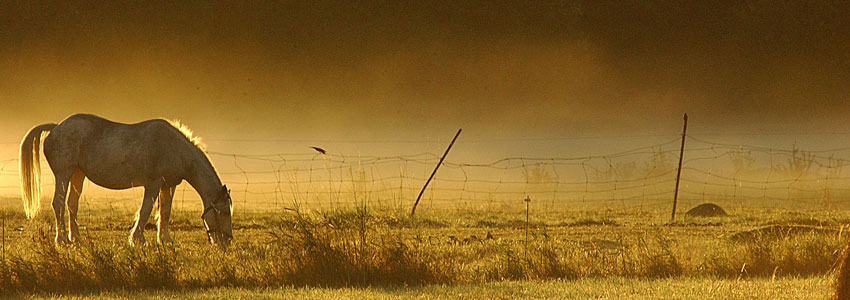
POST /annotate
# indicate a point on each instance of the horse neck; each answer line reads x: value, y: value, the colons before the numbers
x: 204, y: 178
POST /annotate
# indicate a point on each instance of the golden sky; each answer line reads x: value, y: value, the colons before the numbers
x: 413, y: 70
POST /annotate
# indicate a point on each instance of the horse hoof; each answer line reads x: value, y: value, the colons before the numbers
x: 63, y: 241
x: 137, y: 241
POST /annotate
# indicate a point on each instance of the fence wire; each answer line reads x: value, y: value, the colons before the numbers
x: 730, y: 175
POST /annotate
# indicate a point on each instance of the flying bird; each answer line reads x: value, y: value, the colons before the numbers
x: 320, y: 150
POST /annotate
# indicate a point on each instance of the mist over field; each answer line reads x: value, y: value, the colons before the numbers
x: 407, y: 71
x: 523, y: 79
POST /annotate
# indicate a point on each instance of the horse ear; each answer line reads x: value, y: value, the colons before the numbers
x: 224, y: 189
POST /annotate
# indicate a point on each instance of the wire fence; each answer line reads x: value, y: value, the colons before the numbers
x: 734, y: 176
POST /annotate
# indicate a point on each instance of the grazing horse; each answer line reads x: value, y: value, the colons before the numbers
x: 155, y: 154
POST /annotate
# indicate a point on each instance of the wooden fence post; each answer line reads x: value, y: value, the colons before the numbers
x: 679, y: 171
x: 527, y: 203
x: 413, y: 211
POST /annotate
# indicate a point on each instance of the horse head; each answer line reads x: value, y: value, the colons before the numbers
x: 217, y: 219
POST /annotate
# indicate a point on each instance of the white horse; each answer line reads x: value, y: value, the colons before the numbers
x: 155, y: 154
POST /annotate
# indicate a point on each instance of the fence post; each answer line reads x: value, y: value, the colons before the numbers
x: 527, y: 202
x: 679, y: 170
x: 413, y: 211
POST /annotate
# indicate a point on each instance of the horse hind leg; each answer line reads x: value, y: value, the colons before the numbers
x: 76, y: 188
x: 137, y: 236
x: 59, y: 194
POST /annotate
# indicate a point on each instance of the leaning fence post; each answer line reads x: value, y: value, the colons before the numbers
x: 413, y: 211
x: 679, y: 170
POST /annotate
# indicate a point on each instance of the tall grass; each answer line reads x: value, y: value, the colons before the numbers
x: 45, y: 267
x: 355, y: 248
x: 842, y: 276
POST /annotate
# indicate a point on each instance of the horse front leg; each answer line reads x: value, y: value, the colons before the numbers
x: 166, y: 194
x: 137, y: 236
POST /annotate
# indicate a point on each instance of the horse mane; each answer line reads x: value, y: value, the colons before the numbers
x: 196, y: 140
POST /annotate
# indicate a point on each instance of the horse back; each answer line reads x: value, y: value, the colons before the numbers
x: 118, y: 155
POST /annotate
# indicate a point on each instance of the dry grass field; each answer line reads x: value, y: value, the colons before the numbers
x: 385, y: 254
x: 590, y: 288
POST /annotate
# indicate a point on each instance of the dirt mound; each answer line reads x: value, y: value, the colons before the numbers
x: 707, y: 210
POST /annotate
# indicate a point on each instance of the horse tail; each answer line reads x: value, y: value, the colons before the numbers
x: 30, y: 168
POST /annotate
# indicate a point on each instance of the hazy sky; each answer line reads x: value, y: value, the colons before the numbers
x: 414, y: 70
